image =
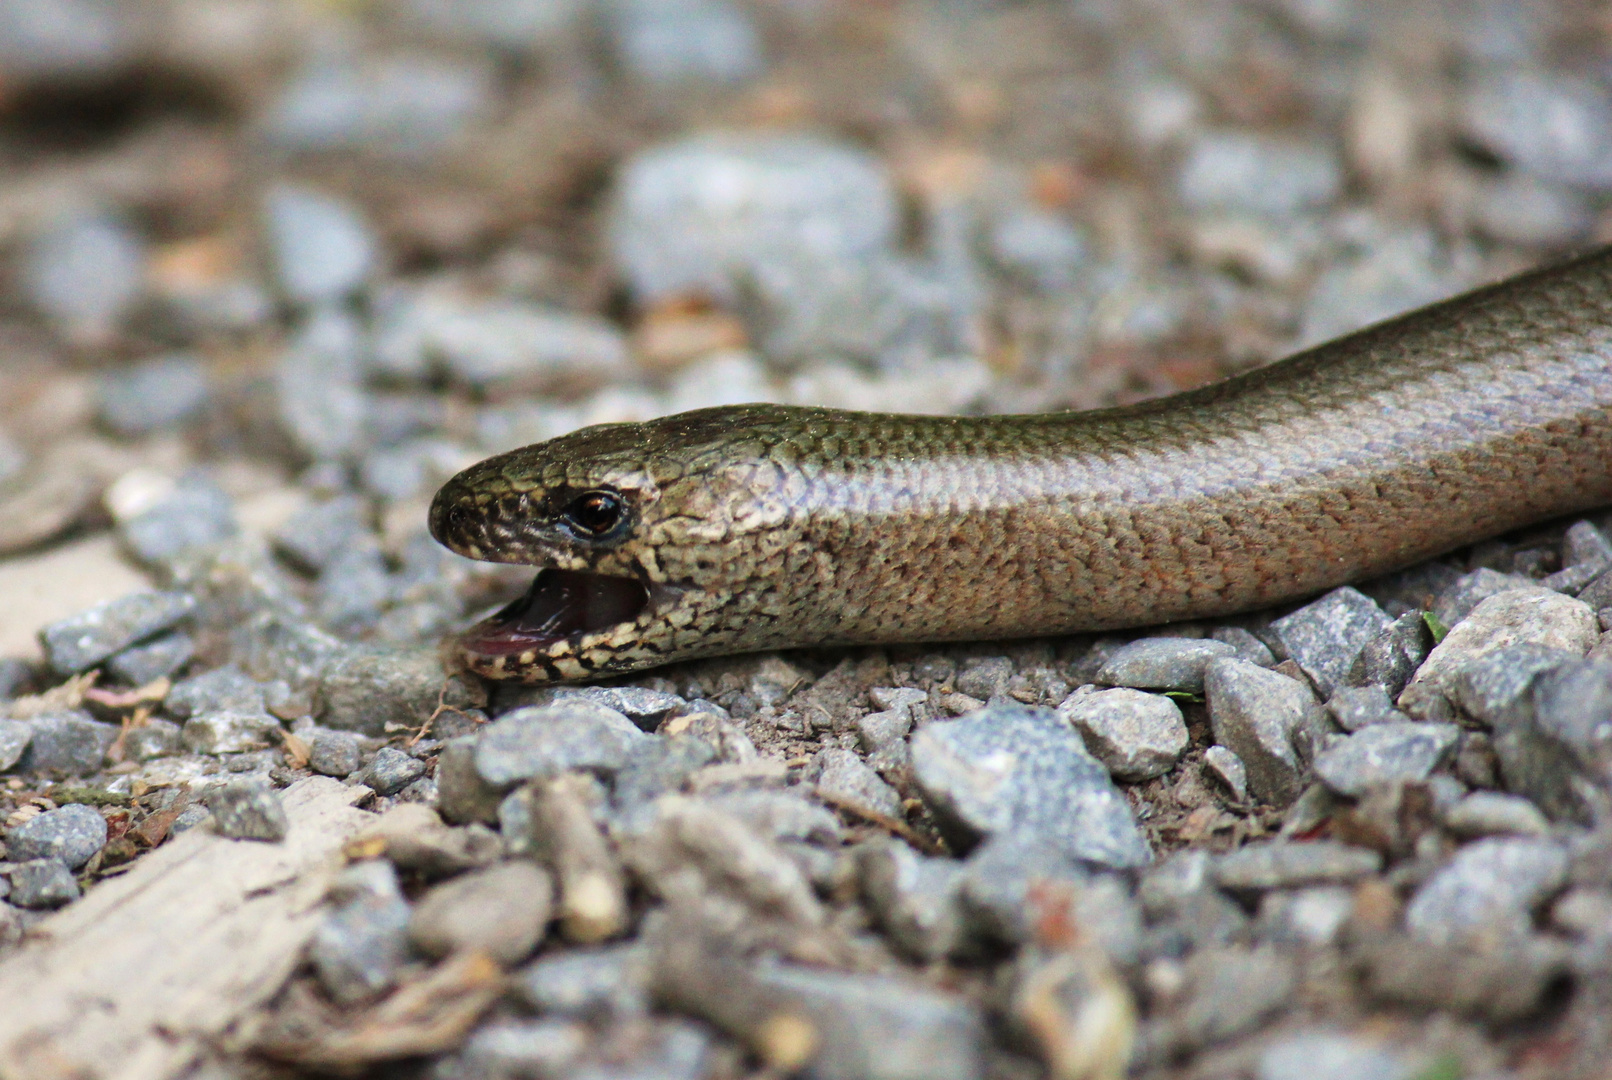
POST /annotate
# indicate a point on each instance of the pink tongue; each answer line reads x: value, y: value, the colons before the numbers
x: 560, y: 604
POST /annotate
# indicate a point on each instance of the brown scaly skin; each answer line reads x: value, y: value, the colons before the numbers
x: 760, y: 527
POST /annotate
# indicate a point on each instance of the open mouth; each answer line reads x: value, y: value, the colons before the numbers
x: 560, y: 604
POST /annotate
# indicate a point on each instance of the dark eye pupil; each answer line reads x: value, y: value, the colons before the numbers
x: 596, y: 512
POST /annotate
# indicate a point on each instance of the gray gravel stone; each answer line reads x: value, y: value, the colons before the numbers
x: 1325, y: 636
x: 391, y: 770
x: 153, y: 739
x: 374, y: 691
x: 844, y: 779
x: 542, y: 741
x: 883, y: 732
x: 1320, y: 1054
x: 1356, y: 707
x: 502, y: 910
x: 874, y: 1027
x: 362, y: 944
x: 1004, y: 883
x: 14, y: 675
x: 1256, y: 714
x: 1225, y: 766
x: 1525, y: 210
x: 780, y: 815
x: 654, y: 767
x: 498, y: 344
x: 71, y: 834
x: 229, y: 732
x: 1248, y: 646
x: 319, y: 388
x: 913, y: 897
x: 85, y: 273
x: 333, y: 753
x: 1011, y: 769
x: 1494, y: 687
x: 699, y: 216
x: 406, y: 105
x: 1396, y: 273
x: 1528, y: 616
x: 1585, y: 544
x: 1391, y: 656
x: 42, y: 883
x: 1385, y: 754
x: 538, y: 1048
x: 1228, y: 990
x: 685, y: 41
x: 322, y: 249
x: 1555, y: 126
x: 222, y: 689
x: 195, y: 515
x: 1163, y: 663
x: 248, y: 810
x: 1237, y: 170
x: 1283, y: 865
x: 1554, y: 744
x: 1458, y: 599
x: 1313, y: 918
x: 314, y: 536
x: 14, y: 738
x: 153, y: 395
x: 1490, y: 813
x: 643, y: 706
x: 1489, y: 887
x: 81, y: 641
x: 462, y: 795
x: 585, y: 982
x: 1136, y: 735
x: 141, y: 665
x: 1037, y: 247
x: 67, y: 744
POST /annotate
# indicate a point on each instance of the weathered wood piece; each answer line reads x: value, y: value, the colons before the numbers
x: 136, y: 980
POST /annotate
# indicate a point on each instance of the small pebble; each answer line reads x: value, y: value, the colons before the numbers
x: 1136, y: 735
x: 846, y: 780
x: 1384, y: 754
x: 248, y: 810
x: 333, y: 753
x: 71, y: 834
x: 141, y: 665
x: 1491, y: 813
x: 1227, y: 767
x: 1163, y: 663
x: 1325, y: 636
x: 391, y: 770
x: 42, y: 883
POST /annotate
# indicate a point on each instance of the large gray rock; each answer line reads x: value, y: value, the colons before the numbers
x: 1009, y: 769
x: 367, y: 690
x: 66, y: 743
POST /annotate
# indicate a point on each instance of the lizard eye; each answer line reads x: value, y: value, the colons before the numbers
x: 594, y: 515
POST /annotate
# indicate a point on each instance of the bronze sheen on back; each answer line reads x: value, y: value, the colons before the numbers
x: 760, y: 526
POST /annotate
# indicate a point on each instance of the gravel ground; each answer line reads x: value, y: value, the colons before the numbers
x: 270, y: 272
